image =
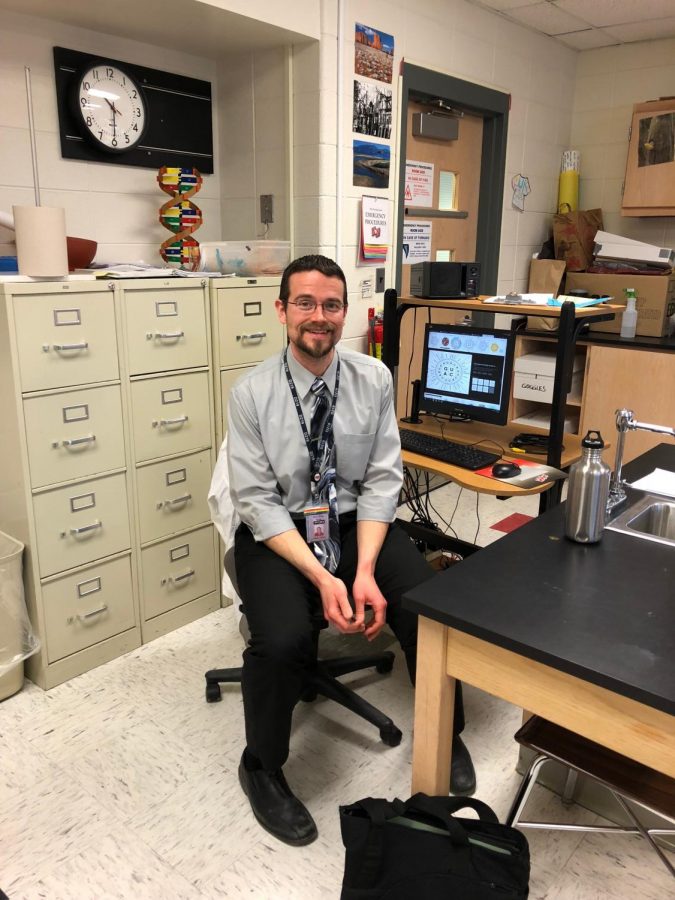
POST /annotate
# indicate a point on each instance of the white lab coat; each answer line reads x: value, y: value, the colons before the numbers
x: 224, y: 517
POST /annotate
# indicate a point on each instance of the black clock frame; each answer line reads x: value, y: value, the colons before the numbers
x: 178, y: 129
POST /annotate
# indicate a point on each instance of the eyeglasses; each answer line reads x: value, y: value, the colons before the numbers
x: 329, y: 308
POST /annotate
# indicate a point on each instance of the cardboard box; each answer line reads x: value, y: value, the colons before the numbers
x: 534, y: 374
x: 655, y: 299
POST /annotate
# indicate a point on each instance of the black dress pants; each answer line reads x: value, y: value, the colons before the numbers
x: 281, y: 607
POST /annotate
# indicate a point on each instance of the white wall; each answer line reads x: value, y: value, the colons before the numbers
x: 253, y: 132
x: 609, y: 81
x: 112, y: 204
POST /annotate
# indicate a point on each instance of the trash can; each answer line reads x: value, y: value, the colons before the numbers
x: 17, y: 638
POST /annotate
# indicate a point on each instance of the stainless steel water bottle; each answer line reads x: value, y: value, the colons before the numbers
x: 587, y: 491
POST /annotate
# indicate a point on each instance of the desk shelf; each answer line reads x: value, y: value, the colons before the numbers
x: 570, y: 321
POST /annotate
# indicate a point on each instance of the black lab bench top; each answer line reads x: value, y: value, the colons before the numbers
x: 604, y: 612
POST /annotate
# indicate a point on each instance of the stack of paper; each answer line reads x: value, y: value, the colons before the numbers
x: 617, y: 247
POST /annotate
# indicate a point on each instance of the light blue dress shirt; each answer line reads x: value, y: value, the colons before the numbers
x: 268, y: 462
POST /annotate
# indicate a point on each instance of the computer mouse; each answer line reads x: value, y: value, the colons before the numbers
x: 506, y: 469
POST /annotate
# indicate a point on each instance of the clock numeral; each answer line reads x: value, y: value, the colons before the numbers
x: 83, y: 101
x: 100, y: 134
x: 96, y: 75
x: 109, y: 72
x: 126, y: 138
x: 138, y: 112
x: 134, y: 127
x: 134, y: 95
x: 86, y: 86
x: 89, y: 121
x: 114, y: 142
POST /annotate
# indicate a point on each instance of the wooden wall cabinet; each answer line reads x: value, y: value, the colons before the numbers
x: 649, y: 186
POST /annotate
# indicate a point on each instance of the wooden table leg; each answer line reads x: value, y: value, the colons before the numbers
x: 434, y: 710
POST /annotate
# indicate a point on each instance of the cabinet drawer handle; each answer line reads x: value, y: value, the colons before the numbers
x: 69, y: 443
x: 178, y: 422
x: 65, y: 348
x: 254, y: 338
x: 177, y: 579
x: 164, y: 335
x: 85, y: 618
x: 84, y: 529
x: 177, y: 501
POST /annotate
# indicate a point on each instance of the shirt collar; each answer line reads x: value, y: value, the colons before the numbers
x: 303, y: 379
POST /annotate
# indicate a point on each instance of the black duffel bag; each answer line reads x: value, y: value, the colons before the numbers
x: 419, y: 849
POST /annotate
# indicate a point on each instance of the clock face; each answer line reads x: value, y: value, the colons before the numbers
x: 111, y: 107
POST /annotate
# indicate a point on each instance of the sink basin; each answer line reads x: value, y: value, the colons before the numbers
x: 651, y: 518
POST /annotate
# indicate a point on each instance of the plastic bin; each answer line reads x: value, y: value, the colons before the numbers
x: 245, y: 257
x: 17, y: 638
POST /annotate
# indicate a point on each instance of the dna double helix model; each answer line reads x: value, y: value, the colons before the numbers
x: 180, y: 215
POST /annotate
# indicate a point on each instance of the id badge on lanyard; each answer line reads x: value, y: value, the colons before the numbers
x: 316, y: 522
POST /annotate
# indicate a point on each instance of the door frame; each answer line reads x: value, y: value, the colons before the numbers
x: 493, y: 107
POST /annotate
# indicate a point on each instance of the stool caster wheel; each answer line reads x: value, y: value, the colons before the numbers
x: 212, y: 693
x: 385, y: 665
x: 391, y: 735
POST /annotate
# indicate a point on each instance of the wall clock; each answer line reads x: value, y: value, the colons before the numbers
x: 171, y: 113
x: 111, y: 107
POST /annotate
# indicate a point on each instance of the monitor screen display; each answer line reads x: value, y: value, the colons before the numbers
x: 466, y: 372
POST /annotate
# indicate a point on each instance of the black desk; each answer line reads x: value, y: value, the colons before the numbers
x: 581, y: 635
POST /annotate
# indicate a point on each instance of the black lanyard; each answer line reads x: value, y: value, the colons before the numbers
x: 314, y: 458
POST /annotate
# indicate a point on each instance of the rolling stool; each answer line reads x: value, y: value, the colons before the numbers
x: 623, y: 778
x: 323, y: 679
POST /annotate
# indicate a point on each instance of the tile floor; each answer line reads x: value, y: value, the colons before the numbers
x: 122, y: 782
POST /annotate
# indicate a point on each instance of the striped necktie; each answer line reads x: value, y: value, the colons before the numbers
x: 327, y: 551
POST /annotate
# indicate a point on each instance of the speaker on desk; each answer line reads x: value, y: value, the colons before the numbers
x: 414, y: 417
x: 445, y: 280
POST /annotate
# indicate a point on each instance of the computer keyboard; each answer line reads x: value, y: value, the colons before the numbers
x: 462, y: 455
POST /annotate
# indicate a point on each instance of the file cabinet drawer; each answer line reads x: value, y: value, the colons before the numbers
x: 73, y: 434
x: 80, y: 523
x: 165, y: 330
x: 63, y: 341
x: 177, y: 571
x: 250, y: 329
x: 170, y: 415
x: 90, y: 606
x: 172, y: 495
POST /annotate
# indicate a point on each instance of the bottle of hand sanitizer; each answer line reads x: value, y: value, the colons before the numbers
x: 629, y: 318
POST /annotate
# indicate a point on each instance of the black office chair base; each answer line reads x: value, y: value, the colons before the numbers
x: 324, y: 681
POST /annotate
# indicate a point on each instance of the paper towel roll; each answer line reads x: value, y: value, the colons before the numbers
x: 568, y: 192
x: 41, y: 241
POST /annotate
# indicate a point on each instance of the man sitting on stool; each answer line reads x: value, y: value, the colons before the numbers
x: 312, y: 431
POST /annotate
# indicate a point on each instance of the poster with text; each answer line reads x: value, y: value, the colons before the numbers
x: 375, y: 226
x: 419, y: 183
x: 374, y: 53
x: 372, y: 109
x: 371, y: 164
x: 416, y: 245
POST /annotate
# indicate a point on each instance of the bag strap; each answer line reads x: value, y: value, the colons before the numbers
x: 442, y: 809
x: 378, y: 811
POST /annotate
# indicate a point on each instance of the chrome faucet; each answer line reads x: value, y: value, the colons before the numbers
x: 625, y: 421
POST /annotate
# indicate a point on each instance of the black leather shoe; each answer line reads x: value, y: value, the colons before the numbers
x: 276, y: 808
x: 462, y: 773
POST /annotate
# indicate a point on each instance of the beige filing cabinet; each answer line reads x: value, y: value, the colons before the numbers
x: 65, y: 485
x: 168, y: 385
x: 107, y: 406
x: 246, y: 330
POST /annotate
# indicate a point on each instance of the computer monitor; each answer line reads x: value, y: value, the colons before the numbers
x: 466, y: 372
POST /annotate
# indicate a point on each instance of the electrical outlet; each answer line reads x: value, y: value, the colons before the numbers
x: 379, y: 281
x: 267, y: 209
